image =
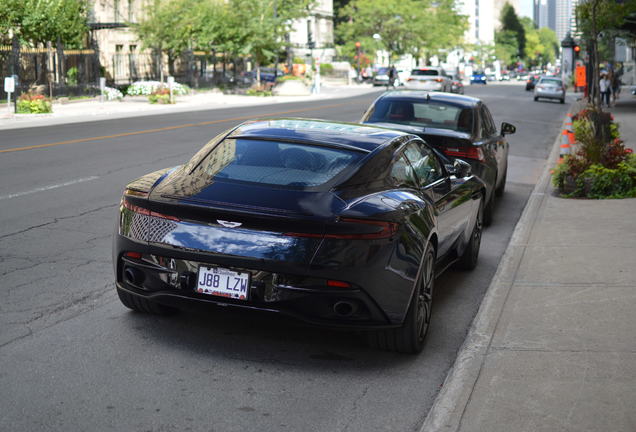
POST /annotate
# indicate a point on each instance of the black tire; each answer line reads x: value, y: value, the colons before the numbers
x: 469, y: 258
x: 499, y: 191
x: 489, y: 209
x: 562, y: 100
x: 409, y: 338
x: 536, y: 98
x: 140, y: 304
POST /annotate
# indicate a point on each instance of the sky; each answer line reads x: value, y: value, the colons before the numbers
x: 525, y: 8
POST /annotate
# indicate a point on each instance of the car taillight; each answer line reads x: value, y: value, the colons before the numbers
x: 146, y: 212
x: 466, y: 152
x: 338, y: 284
x: 439, y: 79
x: 410, y: 79
x: 136, y: 193
x: 381, y: 230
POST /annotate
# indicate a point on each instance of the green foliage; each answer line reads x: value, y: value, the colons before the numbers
x: 298, y: 60
x: 510, y: 22
x: 45, y: 20
x: 541, y: 44
x: 31, y: 103
x: 258, y: 92
x: 601, y: 166
x: 288, y: 78
x: 160, y: 95
x: 399, y: 24
x: 506, y: 46
x: 326, y: 68
x: 71, y: 76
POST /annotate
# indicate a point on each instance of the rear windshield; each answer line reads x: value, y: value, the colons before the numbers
x: 274, y: 163
x: 426, y: 114
x: 428, y: 72
x: 553, y: 81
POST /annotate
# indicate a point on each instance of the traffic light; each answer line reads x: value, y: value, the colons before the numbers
x: 577, y: 50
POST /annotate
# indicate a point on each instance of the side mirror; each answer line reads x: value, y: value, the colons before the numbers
x: 507, y: 129
x: 459, y: 169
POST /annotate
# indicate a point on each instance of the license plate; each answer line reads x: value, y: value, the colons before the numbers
x: 222, y: 282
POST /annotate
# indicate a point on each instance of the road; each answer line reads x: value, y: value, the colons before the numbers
x: 73, y: 358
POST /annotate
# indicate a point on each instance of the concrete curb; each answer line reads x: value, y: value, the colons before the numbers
x: 450, y: 404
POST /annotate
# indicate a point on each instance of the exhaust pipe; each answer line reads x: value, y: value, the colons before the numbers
x: 133, y: 276
x: 345, y: 308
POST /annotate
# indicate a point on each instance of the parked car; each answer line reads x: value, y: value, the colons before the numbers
x: 381, y: 77
x: 429, y: 78
x: 550, y: 88
x: 459, y: 126
x: 478, y: 77
x: 531, y: 82
x: 340, y: 225
x: 456, y: 84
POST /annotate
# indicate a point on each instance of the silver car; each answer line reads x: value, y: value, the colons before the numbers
x: 429, y: 78
x: 549, y: 88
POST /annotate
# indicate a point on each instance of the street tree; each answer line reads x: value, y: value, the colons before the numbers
x: 397, y: 26
x: 41, y: 21
x: 169, y: 26
x: 506, y: 46
x: 594, y: 18
x: 510, y: 22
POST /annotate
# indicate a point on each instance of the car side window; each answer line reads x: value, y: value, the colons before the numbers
x: 488, y: 128
x: 427, y: 167
x: 402, y: 173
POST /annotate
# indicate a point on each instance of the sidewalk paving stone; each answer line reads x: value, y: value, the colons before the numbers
x: 553, y: 346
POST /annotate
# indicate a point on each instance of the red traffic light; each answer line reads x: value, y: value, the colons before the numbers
x: 358, y: 44
x: 577, y: 48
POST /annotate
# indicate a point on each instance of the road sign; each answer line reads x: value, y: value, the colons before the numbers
x: 9, y: 84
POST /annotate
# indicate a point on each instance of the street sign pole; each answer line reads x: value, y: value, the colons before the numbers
x: 9, y: 87
x: 170, y: 84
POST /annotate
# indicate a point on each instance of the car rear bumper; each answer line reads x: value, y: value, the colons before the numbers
x: 169, y: 277
x: 549, y: 94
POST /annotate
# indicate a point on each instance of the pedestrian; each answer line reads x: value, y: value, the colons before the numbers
x: 605, y: 87
x: 392, y: 76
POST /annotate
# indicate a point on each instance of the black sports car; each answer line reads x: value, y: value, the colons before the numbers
x: 341, y: 225
x: 459, y: 126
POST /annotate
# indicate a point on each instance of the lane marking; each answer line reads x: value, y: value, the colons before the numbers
x: 45, y: 188
x: 163, y: 129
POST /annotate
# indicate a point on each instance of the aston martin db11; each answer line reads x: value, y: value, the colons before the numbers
x: 339, y: 225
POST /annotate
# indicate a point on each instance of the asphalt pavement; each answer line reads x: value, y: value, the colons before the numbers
x: 73, y: 358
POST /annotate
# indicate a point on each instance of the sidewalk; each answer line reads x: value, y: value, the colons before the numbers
x: 93, y: 110
x: 553, y: 346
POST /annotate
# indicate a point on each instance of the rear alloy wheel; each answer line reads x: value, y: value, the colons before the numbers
x: 141, y: 304
x: 410, y: 337
x: 468, y: 260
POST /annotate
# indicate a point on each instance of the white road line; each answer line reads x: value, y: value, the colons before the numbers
x: 45, y: 188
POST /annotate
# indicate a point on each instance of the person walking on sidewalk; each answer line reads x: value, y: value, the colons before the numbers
x: 606, y: 89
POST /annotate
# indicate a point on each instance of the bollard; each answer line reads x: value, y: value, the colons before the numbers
x: 565, y: 144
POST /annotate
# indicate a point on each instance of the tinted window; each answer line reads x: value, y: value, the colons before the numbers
x: 426, y: 72
x: 553, y: 81
x: 427, y: 167
x: 402, y: 173
x: 275, y: 163
x: 426, y: 114
x: 487, y: 124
